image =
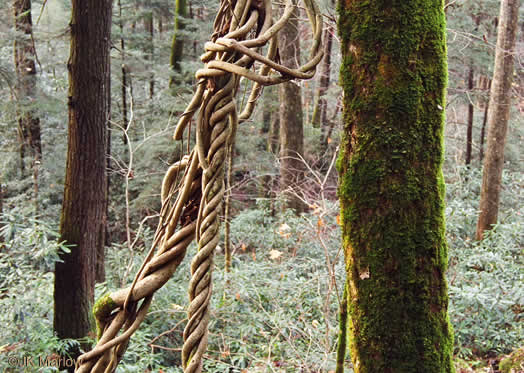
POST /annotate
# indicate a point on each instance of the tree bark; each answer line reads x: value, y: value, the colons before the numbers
x: 391, y: 187
x: 84, y: 205
x: 471, y: 111
x: 498, y: 116
x: 24, y: 57
x: 291, y: 119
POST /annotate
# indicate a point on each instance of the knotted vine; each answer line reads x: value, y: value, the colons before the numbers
x: 193, y: 188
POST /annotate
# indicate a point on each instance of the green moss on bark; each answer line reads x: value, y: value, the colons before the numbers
x: 101, y: 311
x: 391, y: 187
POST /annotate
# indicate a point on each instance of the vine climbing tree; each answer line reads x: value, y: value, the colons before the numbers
x: 193, y: 188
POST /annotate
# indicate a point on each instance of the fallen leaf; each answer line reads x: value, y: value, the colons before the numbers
x: 338, y: 220
x: 275, y: 254
x: 283, y: 230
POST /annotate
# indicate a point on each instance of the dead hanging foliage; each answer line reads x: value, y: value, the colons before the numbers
x: 193, y: 189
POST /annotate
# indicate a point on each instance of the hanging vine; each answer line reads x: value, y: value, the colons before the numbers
x: 193, y: 189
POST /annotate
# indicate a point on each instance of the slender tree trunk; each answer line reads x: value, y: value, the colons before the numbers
x: 25, y: 56
x: 342, y: 333
x: 498, y: 117
x: 483, y: 133
x: 84, y: 203
x: 268, y: 112
x: 485, y: 84
x: 319, y: 117
x: 291, y: 122
x: 123, y: 69
x: 326, y: 72
x: 150, y: 29
x: 391, y: 186
x: 471, y: 110
x: 21, y: 148
x: 177, y: 45
x: 274, y: 134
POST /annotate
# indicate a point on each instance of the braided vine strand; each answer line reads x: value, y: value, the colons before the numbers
x: 218, y: 115
x: 125, y: 309
x: 220, y: 120
x: 230, y: 55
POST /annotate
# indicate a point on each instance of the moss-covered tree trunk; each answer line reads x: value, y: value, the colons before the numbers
x: 84, y: 205
x: 498, y: 116
x: 391, y: 187
x: 291, y: 118
x: 24, y: 58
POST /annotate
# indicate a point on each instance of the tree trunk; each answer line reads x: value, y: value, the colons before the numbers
x: 498, y: 116
x: 342, y: 333
x: 177, y: 45
x: 24, y: 56
x: 274, y: 125
x: 485, y: 84
x: 291, y: 126
x: 319, y: 118
x: 84, y: 204
x: 391, y: 186
x: 123, y: 69
x: 149, y: 26
x: 483, y: 133
x: 471, y: 110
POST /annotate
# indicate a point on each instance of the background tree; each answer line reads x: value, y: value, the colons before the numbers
x: 177, y: 46
x: 25, y: 56
x: 471, y: 113
x: 291, y: 118
x: 149, y: 26
x: 391, y: 185
x: 319, y: 116
x: 498, y: 117
x: 84, y: 205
